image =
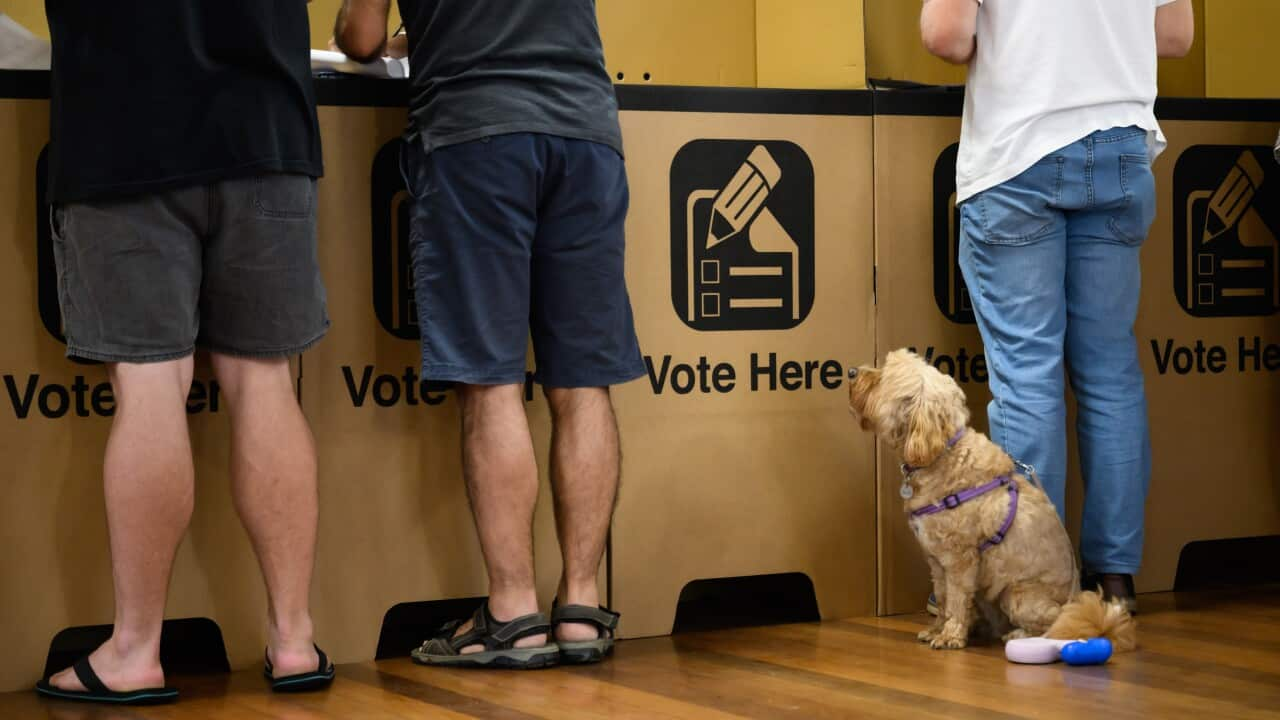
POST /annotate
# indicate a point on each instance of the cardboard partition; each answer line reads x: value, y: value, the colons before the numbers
x: 920, y: 303
x: 1209, y: 332
x: 739, y: 456
x: 1208, y: 328
x: 54, y: 419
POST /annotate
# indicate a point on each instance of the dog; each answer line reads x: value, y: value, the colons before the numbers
x: 996, y: 548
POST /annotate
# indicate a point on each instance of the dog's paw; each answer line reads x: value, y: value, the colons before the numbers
x: 927, y: 635
x: 949, y: 641
x: 952, y: 636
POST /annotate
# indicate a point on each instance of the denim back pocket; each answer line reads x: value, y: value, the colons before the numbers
x: 1019, y: 211
x: 1132, y: 220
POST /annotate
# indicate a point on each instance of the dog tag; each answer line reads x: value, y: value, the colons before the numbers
x: 905, y: 491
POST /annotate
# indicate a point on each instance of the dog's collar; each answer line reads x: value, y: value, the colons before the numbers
x: 906, y: 491
x: 909, y: 470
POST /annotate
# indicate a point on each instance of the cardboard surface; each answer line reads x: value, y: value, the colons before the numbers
x: 756, y: 478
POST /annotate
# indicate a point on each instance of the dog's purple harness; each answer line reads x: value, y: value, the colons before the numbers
x: 954, y: 501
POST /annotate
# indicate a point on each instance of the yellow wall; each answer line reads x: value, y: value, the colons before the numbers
x: 677, y: 42
x: 894, y: 51
x: 1241, y: 50
x: 815, y: 44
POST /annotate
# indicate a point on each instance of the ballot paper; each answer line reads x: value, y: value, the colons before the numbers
x: 19, y: 49
x: 329, y: 61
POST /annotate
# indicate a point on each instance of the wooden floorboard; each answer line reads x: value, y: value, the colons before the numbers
x: 1202, y: 656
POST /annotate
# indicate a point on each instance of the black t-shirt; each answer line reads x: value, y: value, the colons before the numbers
x: 150, y: 95
x: 490, y: 67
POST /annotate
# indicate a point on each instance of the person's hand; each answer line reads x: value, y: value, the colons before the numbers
x: 398, y: 47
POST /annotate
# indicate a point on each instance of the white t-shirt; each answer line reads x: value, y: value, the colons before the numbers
x: 1048, y: 73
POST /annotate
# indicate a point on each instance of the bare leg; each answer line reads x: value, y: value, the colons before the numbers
x: 585, y: 466
x: 502, y: 482
x: 273, y: 483
x: 149, y: 481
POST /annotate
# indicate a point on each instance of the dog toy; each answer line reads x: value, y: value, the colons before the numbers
x: 1042, y: 651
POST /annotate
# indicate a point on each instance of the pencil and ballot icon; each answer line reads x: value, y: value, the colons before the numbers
x: 949, y: 289
x: 1227, y: 227
x: 742, y: 242
x: 394, y: 302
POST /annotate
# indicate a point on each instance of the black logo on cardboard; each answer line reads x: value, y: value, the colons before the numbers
x: 393, y: 299
x: 1226, y: 231
x: 742, y: 235
x: 949, y: 290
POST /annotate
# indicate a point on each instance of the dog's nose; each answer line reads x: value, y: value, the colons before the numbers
x: 853, y: 373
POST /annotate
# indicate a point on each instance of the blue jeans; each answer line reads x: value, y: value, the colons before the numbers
x: 1051, y: 261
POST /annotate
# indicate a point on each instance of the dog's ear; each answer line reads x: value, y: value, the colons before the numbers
x: 927, y: 433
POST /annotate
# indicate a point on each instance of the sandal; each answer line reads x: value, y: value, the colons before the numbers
x: 100, y: 693
x: 320, y: 678
x: 498, y: 638
x: 587, y: 651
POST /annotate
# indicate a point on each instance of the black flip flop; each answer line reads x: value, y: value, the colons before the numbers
x: 100, y: 693
x: 588, y: 651
x: 319, y: 679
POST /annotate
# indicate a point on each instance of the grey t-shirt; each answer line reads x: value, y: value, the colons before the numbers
x: 479, y: 68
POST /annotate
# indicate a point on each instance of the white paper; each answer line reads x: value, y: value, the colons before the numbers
x: 327, y: 60
x: 19, y: 49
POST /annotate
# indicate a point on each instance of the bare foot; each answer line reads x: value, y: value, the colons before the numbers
x: 119, y: 671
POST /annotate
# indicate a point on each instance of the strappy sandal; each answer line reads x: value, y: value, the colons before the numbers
x: 499, y: 640
x: 97, y: 692
x: 587, y: 651
x: 318, y: 679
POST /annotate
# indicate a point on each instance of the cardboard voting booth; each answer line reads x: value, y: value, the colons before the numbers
x: 775, y: 237
x: 749, y: 262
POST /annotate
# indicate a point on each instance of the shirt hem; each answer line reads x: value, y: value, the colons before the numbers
x: 432, y: 142
x: 174, y: 182
x: 1053, y: 142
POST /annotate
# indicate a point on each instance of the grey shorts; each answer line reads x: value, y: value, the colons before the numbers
x: 230, y: 266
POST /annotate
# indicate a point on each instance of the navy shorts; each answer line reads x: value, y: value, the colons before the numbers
x: 515, y: 236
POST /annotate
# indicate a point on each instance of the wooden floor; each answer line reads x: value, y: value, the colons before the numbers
x: 1203, y: 656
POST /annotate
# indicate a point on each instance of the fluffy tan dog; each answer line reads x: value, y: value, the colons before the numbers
x: 1026, y: 584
